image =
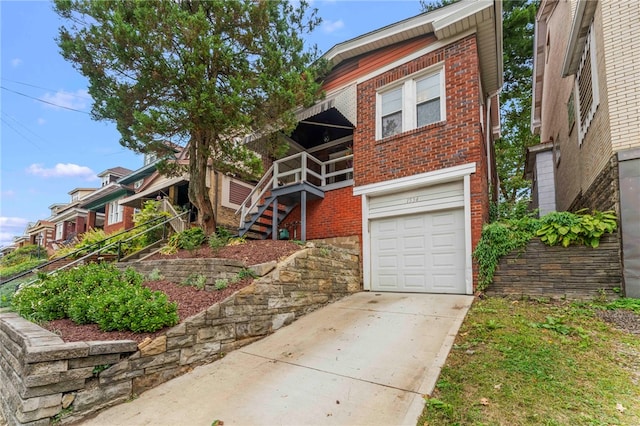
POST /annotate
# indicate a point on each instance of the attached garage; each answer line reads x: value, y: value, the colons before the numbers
x: 417, y: 236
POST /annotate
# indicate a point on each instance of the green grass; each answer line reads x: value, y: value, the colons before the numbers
x: 536, y: 363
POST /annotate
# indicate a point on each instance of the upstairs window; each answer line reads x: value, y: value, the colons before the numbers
x: 391, y: 112
x: 410, y: 104
x: 587, y: 86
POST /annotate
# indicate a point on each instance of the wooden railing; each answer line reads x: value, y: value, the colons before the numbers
x: 297, y: 168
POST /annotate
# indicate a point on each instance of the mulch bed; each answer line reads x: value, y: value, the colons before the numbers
x: 190, y: 300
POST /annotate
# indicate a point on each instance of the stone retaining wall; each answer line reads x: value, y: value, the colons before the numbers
x: 41, y: 377
x: 574, y: 272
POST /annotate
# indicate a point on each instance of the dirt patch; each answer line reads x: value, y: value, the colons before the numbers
x: 190, y: 300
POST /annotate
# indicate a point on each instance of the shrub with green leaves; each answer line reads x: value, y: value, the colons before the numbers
x: 195, y: 280
x: 189, y: 239
x: 221, y: 284
x: 567, y: 228
x: 97, y: 293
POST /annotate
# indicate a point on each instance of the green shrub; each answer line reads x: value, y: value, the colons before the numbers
x: 23, y: 254
x: 97, y: 293
x: 189, y: 239
x: 221, y: 284
x: 566, y: 228
x: 155, y: 275
x: 27, y: 265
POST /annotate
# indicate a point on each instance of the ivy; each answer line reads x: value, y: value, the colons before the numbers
x: 501, y: 238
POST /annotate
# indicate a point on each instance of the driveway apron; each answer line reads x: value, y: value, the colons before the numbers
x: 367, y: 359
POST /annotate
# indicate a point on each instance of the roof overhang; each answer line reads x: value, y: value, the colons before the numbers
x: 483, y: 16
x: 344, y: 101
x: 69, y: 214
x: 530, y: 160
x: 539, y: 46
x: 136, y: 200
x: 103, y: 196
x: 585, y: 10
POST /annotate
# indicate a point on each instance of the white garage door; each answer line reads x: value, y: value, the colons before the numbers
x: 418, y: 240
x: 422, y: 252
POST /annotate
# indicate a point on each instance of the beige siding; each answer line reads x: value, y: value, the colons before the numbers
x: 556, y: 92
x: 621, y: 32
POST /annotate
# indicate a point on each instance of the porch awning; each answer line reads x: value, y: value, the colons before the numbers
x: 344, y: 101
x: 136, y: 200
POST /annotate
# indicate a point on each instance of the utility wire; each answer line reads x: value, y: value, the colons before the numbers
x: 23, y: 126
x: 19, y: 133
x: 45, y: 88
x: 43, y: 101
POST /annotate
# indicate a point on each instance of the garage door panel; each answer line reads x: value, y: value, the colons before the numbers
x: 421, y: 252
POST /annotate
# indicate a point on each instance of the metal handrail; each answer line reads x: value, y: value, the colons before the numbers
x: 81, y: 259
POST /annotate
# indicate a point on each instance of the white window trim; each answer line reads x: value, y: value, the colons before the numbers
x: 409, y: 106
x: 590, y: 45
x: 226, y: 190
x: 116, y: 213
x: 59, y: 230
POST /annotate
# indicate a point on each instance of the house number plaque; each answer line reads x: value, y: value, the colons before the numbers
x: 411, y: 200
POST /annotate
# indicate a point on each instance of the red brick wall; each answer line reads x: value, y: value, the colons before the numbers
x: 125, y: 223
x: 457, y: 140
x: 339, y: 214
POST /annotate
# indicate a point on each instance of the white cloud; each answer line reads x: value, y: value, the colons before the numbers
x: 75, y: 100
x: 11, y: 227
x: 331, y: 26
x: 62, y: 170
x: 41, y: 121
x: 16, y: 62
x: 8, y: 193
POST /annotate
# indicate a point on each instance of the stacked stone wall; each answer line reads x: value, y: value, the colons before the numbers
x: 43, y: 378
x: 574, y: 272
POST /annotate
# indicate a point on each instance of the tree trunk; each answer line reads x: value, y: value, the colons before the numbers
x: 198, y: 193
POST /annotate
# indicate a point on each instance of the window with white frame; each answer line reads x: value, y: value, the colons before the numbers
x: 587, y: 86
x: 412, y: 103
x: 115, y: 212
x: 59, y: 229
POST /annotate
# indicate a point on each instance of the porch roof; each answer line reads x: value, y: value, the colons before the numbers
x: 136, y: 200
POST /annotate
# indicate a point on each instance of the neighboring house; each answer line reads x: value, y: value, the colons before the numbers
x: 399, y: 154
x: 41, y: 233
x: 70, y: 220
x: 586, y: 104
x: 23, y: 240
x: 227, y: 193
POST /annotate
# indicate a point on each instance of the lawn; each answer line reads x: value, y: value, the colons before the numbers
x: 527, y: 362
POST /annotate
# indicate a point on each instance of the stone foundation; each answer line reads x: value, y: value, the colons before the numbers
x: 42, y: 378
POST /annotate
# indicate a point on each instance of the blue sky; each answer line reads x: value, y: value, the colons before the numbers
x: 50, y: 146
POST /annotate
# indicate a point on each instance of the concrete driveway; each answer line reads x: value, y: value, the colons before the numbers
x: 367, y: 359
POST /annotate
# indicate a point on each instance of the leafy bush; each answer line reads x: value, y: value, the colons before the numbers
x: 97, y: 293
x: 189, y: 239
x: 221, y: 284
x: 155, y: 275
x: 566, y: 228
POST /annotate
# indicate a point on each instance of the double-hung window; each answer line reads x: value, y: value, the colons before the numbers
x: 410, y: 104
x: 115, y: 212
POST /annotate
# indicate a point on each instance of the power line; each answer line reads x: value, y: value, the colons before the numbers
x: 45, y: 88
x: 43, y: 101
x: 19, y: 133
x: 23, y: 126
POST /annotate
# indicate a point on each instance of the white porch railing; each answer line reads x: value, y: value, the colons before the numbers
x: 297, y: 168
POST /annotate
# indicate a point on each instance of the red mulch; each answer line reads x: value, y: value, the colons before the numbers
x: 190, y: 300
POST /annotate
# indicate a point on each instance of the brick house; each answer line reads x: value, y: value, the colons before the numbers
x: 586, y: 104
x: 399, y: 154
x: 70, y: 220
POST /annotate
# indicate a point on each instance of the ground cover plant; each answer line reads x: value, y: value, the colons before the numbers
x: 21, y: 260
x: 526, y: 362
x: 99, y: 294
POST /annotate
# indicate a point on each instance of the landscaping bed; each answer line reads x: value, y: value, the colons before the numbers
x: 190, y: 300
